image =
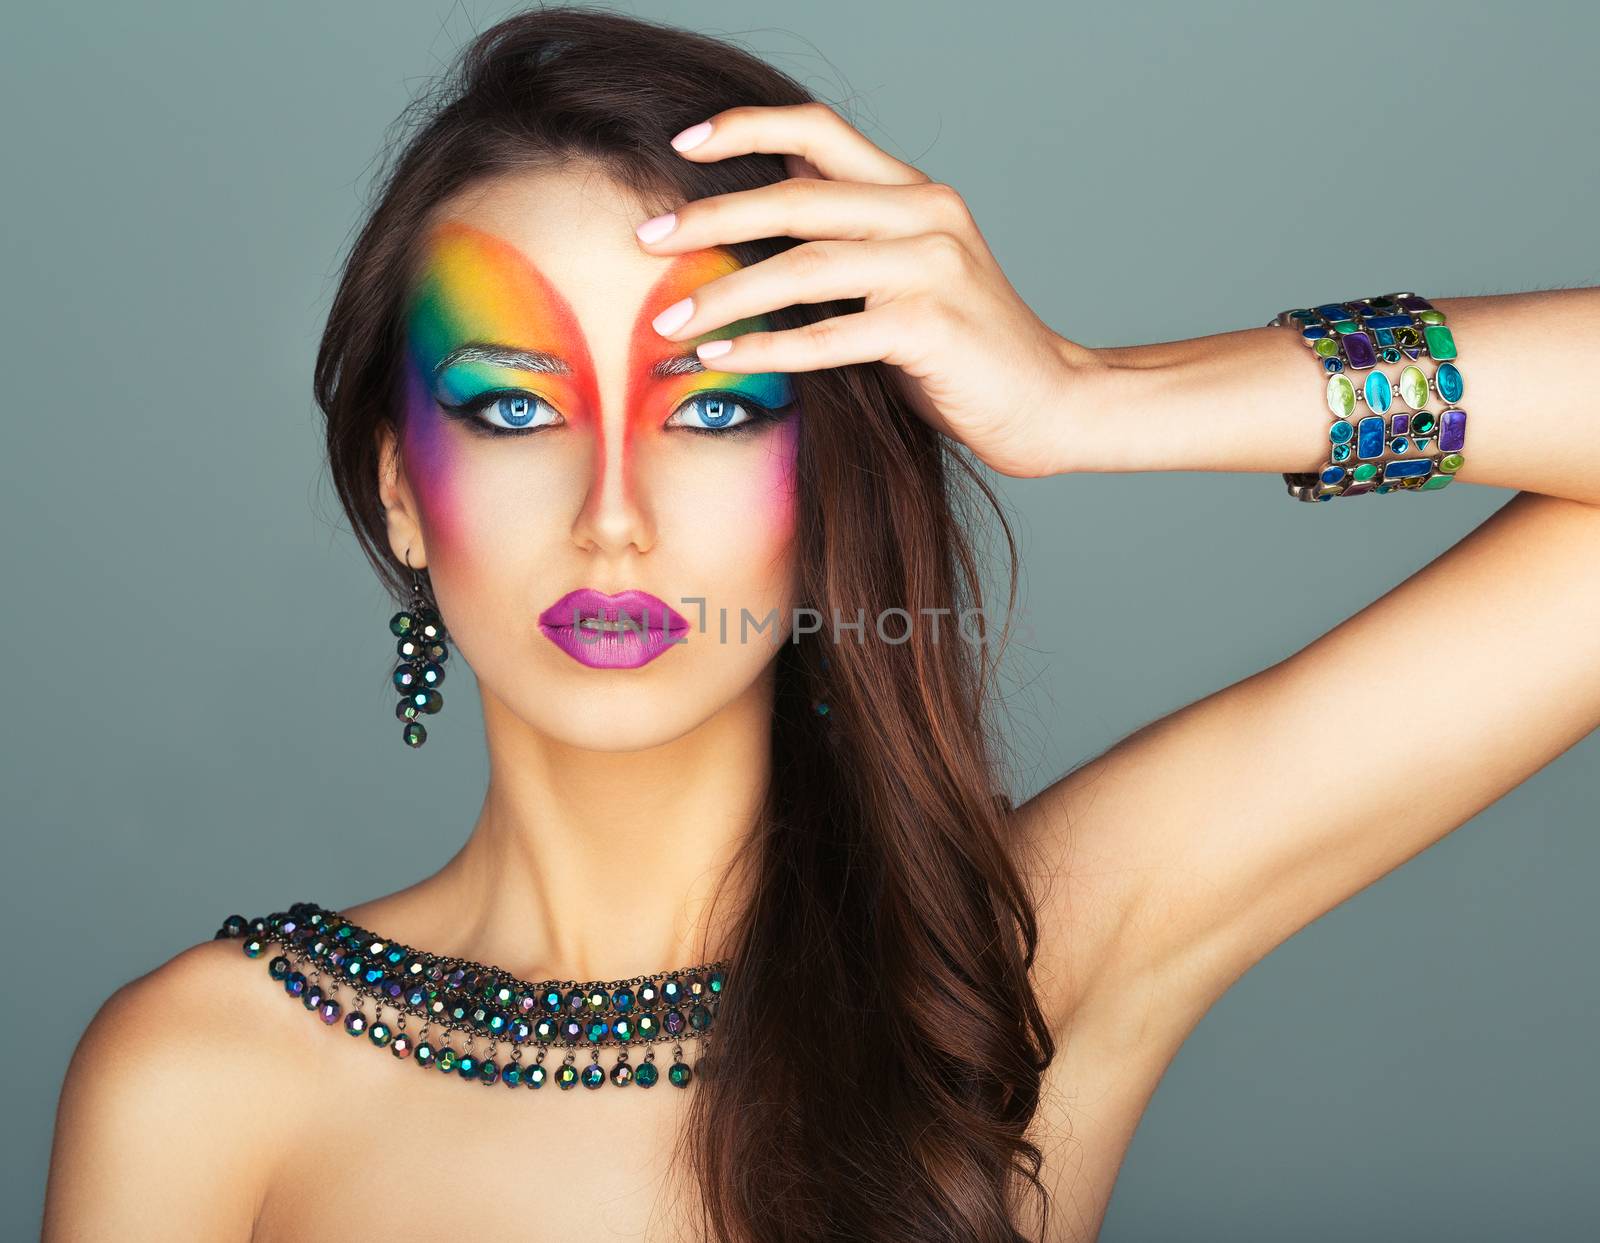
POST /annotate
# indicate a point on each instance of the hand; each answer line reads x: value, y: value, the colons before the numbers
x: 975, y: 362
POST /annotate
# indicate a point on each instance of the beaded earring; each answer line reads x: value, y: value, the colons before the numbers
x: 421, y: 646
x: 820, y: 706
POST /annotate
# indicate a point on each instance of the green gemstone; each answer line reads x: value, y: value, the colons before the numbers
x: 252, y: 947
x: 380, y: 1034
x: 1341, y: 396
x: 1436, y: 482
x: 1430, y: 317
x: 535, y: 1075
x: 402, y: 624
x: 1423, y: 425
x: 567, y: 1075
x: 446, y: 1059
x: 1345, y: 327
x: 467, y: 1066
x: 1441, y: 341
x: 512, y: 1075
x: 645, y: 1074
x: 1414, y: 387
x: 1325, y: 347
x: 679, y: 1074
x: 1451, y: 462
x: 1365, y: 471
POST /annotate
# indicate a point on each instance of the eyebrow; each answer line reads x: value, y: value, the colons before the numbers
x: 554, y: 364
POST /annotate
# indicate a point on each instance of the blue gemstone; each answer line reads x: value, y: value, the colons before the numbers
x: 1404, y: 470
x: 1369, y: 437
x: 1449, y: 382
x: 1333, y: 364
x: 1341, y: 453
x: 1312, y: 333
x: 1387, y: 322
x: 1398, y: 444
x: 1333, y: 311
x: 1385, y: 335
x: 1333, y: 474
x: 1340, y: 431
x: 1378, y: 393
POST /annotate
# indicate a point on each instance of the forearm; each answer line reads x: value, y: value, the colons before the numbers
x: 1254, y: 399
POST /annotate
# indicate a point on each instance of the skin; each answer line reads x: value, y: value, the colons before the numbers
x: 1160, y: 876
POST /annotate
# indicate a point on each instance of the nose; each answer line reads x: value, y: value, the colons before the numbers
x: 615, y: 515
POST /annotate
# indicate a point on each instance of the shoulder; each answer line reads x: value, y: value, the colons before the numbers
x: 175, y: 1092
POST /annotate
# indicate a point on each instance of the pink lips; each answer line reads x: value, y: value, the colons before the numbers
x: 651, y: 626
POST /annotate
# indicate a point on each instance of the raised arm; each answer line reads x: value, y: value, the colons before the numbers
x: 1206, y: 838
x: 1209, y: 836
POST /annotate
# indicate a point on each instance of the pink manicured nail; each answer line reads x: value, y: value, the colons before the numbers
x: 713, y: 349
x: 657, y: 227
x: 693, y: 136
x: 674, y: 317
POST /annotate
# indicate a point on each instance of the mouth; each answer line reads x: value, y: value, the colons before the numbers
x: 602, y: 613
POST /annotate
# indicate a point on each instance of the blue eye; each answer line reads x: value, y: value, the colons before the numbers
x: 505, y: 411
x: 718, y: 414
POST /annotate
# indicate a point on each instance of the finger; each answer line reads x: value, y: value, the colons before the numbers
x: 804, y: 207
x: 881, y: 334
x: 814, y: 131
x: 824, y: 271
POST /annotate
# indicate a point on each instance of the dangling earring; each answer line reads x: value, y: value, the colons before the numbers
x: 820, y: 706
x: 422, y: 651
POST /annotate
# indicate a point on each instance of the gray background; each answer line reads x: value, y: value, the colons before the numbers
x: 195, y: 705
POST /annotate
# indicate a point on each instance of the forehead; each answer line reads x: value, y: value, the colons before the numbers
x: 548, y: 244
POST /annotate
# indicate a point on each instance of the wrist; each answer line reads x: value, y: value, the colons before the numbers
x: 1230, y: 401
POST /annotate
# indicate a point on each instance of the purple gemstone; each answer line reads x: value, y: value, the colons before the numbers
x: 1452, y: 431
x: 328, y: 1012
x: 1356, y: 489
x: 1400, y: 423
x: 673, y: 1022
x: 1358, y: 350
x: 1415, y: 303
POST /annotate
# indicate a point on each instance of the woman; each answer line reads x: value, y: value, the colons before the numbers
x: 652, y: 387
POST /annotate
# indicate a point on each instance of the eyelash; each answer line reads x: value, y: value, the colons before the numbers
x: 469, y: 413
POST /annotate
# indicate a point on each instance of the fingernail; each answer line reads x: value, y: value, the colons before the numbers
x: 657, y: 227
x: 674, y: 317
x: 693, y: 136
x: 713, y: 349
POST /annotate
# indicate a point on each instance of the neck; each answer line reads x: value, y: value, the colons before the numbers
x: 597, y: 865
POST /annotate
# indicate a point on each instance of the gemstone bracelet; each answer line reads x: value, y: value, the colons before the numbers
x: 321, y: 950
x: 1371, y: 454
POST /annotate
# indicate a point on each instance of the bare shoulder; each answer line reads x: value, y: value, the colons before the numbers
x: 1084, y: 846
x: 172, y: 1104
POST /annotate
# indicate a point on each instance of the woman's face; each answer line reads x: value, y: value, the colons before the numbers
x: 553, y: 441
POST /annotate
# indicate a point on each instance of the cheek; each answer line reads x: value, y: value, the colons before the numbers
x: 779, y: 500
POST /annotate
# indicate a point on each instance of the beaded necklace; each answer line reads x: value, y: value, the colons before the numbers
x: 321, y: 951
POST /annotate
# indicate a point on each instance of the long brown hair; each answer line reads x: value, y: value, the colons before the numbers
x: 878, y: 1055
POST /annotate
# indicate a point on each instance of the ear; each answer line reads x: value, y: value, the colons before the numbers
x: 399, y: 502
